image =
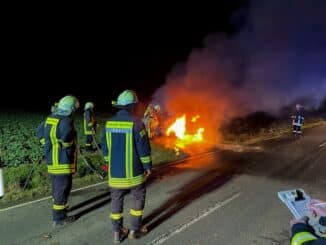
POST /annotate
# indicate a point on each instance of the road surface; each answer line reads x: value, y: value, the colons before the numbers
x: 227, y: 197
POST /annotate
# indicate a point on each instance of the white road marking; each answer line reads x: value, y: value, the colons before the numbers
x: 323, y: 144
x: 164, y: 237
x: 49, y: 197
x: 90, y: 186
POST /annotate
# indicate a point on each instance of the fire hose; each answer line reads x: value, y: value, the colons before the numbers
x: 90, y: 165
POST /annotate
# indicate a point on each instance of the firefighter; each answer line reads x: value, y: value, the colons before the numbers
x: 304, y: 234
x: 152, y: 120
x: 89, y: 126
x: 127, y: 151
x: 58, y: 135
x: 297, y: 120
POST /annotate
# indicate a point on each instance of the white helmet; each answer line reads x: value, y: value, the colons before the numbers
x: 88, y: 105
x: 157, y: 108
x: 127, y: 97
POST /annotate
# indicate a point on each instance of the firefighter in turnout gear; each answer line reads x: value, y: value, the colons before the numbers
x: 89, y: 126
x: 305, y: 234
x: 152, y: 120
x: 58, y: 136
x: 127, y: 151
x: 297, y: 121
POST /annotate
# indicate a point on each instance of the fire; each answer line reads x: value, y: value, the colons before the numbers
x: 194, y: 119
x: 184, y: 138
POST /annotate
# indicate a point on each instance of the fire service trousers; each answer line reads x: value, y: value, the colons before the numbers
x: 117, y: 197
x: 61, y: 187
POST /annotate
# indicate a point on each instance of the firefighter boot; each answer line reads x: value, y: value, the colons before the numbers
x: 137, y: 234
x: 119, y: 236
x: 65, y: 221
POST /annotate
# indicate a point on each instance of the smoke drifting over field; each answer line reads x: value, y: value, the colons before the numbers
x: 275, y: 59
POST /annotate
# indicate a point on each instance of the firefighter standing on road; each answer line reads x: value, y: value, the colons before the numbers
x: 303, y: 233
x: 89, y: 125
x: 58, y: 135
x: 297, y: 120
x: 127, y: 151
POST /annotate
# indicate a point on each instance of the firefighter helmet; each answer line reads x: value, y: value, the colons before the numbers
x: 157, y: 108
x: 68, y: 105
x: 88, y: 105
x: 127, y: 97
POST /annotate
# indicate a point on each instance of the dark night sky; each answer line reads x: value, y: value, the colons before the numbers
x: 95, y: 57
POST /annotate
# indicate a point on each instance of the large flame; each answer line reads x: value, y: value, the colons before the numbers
x: 180, y: 131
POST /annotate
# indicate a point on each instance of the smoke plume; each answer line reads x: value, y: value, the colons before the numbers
x: 278, y: 57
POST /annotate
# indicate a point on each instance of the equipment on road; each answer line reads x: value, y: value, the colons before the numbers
x: 301, y: 205
x: 296, y: 200
x: 2, y: 188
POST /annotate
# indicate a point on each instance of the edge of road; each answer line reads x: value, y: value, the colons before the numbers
x: 155, y: 168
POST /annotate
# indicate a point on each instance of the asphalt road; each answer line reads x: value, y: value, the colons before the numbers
x: 227, y: 197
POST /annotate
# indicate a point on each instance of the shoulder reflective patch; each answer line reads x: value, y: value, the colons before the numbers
x: 51, y: 120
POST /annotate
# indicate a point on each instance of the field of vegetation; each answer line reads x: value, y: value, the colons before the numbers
x: 26, y: 175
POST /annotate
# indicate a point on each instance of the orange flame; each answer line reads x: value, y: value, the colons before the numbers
x: 184, y: 138
x: 194, y: 119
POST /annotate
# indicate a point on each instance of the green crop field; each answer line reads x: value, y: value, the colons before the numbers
x: 26, y: 175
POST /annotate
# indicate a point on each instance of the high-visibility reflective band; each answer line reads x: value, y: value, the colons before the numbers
x: 129, y: 155
x: 142, y: 133
x: 87, y: 144
x: 119, y: 124
x: 126, y: 183
x: 116, y: 216
x: 302, y: 237
x: 146, y: 159
x: 42, y: 141
x: 66, y: 144
x: 134, y: 212
x: 119, y: 130
x: 58, y: 207
x: 86, y: 130
x: 52, y: 120
x: 62, y: 169
x: 53, y: 137
x: 297, y: 124
x: 108, y: 144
